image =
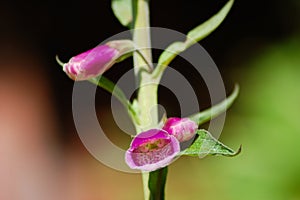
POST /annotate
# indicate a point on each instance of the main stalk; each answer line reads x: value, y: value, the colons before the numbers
x: 147, y: 93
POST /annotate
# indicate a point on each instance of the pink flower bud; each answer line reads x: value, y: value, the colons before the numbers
x: 151, y: 150
x: 183, y: 129
x: 96, y: 61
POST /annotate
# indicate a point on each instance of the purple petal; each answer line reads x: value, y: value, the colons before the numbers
x: 183, y: 129
x: 96, y: 61
x: 151, y: 150
x: 91, y: 63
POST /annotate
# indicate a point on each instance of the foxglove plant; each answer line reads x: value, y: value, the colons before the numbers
x: 157, y: 145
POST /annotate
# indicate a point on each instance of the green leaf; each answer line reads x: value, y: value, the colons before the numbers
x: 109, y: 86
x: 157, y: 182
x: 123, y: 11
x: 194, y: 36
x: 214, y: 111
x: 170, y: 53
x: 206, y: 144
x: 209, y: 26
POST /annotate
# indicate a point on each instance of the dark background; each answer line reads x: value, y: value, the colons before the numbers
x: 66, y: 28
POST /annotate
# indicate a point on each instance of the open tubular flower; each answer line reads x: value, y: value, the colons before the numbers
x: 96, y: 61
x: 151, y: 150
x: 183, y: 129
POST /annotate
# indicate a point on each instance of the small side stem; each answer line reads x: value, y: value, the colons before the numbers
x: 149, y: 65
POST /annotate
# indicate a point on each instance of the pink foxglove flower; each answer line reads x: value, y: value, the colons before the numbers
x: 183, y: 129
x: 96, y: 61
x: 151, y: 150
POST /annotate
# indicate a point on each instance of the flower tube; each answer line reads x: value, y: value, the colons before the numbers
x: 151, y: 150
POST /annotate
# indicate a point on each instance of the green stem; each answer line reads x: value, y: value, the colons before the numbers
x: 147, y: 93
x: 145, y: 178
x: 157, y: 182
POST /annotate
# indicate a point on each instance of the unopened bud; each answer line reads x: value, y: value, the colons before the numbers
x: 96, y: 61
x: 183, y: 129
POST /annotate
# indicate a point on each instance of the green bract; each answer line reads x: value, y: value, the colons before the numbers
x: 214, y: 111
x: 123, y: 11
x: 194, y: 36
x: 206, y: 144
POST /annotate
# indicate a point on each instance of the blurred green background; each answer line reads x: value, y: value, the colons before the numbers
x: 265, y: 121
x: 41, y: 156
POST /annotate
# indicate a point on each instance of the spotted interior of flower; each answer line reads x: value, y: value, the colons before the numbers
x: 151, y: 145
x: 152, y: 151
